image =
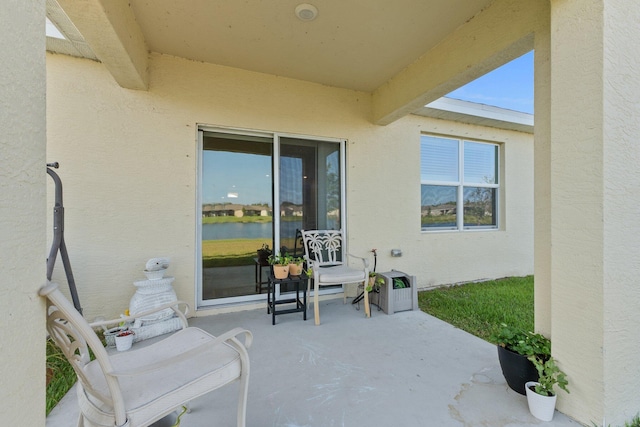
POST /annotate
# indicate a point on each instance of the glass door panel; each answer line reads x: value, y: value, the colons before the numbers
x: 238, y: 187
x: 237, y: 213
x: 310, y: 190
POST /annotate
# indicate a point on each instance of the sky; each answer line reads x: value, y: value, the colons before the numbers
x: 236, y: 178
x: 510, y: 86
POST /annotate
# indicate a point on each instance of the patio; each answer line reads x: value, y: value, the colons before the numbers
x: 406, y: 369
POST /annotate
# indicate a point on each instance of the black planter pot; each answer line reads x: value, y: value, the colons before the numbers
x: 517, y: 369
x: 263, y: 256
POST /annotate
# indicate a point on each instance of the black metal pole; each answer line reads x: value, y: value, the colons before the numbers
x: 58, y: 243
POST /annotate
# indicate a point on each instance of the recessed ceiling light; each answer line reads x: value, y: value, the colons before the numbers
x: 306, y: 12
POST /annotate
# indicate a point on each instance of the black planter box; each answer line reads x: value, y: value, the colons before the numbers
x: 517, y: 369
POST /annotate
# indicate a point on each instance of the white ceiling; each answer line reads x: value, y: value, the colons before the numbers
x: 354, y: 44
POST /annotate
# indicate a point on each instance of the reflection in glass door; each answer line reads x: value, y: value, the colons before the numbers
x: 309, y: 188
x: 237, y: 213
x: 237, y: 198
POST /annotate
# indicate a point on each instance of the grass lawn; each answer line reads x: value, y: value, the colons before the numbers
x: 60, y: 376
x: 231, y: 252
x: 480, y: 308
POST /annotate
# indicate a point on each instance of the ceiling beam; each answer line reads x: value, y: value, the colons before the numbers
x: 110, y: 29
x: 498, y: 34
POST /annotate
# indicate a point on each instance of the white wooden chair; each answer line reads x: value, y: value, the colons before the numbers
x: 140, y: 386
x: 324, y: 255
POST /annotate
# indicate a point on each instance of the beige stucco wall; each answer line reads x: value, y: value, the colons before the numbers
x: 621, y: 226
x: 595, y: 227
x: 22, y: 213
x: 129, y: 161
x: 542, y: 178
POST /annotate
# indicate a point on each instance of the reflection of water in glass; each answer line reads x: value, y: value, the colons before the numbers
x: 236, y: 230
x: 248, y: 230
x: 253, y: 230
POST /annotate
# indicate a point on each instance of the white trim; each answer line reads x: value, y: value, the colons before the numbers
x: 343, y: 190
x: 275, y: 164
x: 479, y: 114
x: 198, y: 246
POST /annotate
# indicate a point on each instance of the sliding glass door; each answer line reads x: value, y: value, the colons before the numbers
x: 242, y: 177
x: 309, y: 189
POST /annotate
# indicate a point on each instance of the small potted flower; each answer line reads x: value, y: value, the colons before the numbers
x: 295, y: 266
x: 541, y: 395
x: 124, y: 340
x: 280, y: 265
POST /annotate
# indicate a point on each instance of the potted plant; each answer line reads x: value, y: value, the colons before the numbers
x: 263, y: 254
x: 295, y: 266
x: 541, y: 396
x: 124, y: 340
x: 515, y: 346
x: 280, y: 264
x: 375, y: 282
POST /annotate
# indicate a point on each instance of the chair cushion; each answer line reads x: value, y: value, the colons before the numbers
x: 339, y: 274
x: 148, y: 394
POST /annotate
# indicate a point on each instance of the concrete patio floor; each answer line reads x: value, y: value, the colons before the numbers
x: 405, y: 369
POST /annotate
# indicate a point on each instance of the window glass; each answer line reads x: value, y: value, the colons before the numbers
x: 459, y: 184
x: 439, y: 206
x: 480, y: 163
x: 479, y: 207
x: 241, y: 179
x: 439, y: 159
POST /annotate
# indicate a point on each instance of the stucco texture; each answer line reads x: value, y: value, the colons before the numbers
x: 594, y: 174
x: 129, y: 164
x: 22, y: 213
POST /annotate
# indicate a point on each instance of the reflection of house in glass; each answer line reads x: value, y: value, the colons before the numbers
x: 233, y: 209
x: 447, y: 209
x: 290, y: 209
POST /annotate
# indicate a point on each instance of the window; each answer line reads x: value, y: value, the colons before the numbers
x: 459, y: 184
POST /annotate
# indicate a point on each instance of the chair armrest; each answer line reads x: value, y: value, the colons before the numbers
x: 312, y: 264
x: 174, y: 305
x: 227, y: 336
x: 365, y: 261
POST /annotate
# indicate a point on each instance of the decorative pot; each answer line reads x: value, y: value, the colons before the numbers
x: 281, y: 271
x: 123, y: 342
x: 110, y: 335
x: 151, y: 294
x: 541, y: 407
x: 295, y: 269
x: 263, y: 254
x: 517, y: 369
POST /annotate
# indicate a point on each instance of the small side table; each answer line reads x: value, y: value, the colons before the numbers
x: 272, y: 303
x: 260, y: 264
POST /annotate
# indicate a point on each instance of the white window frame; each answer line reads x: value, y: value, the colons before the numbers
x: 460, y: 185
